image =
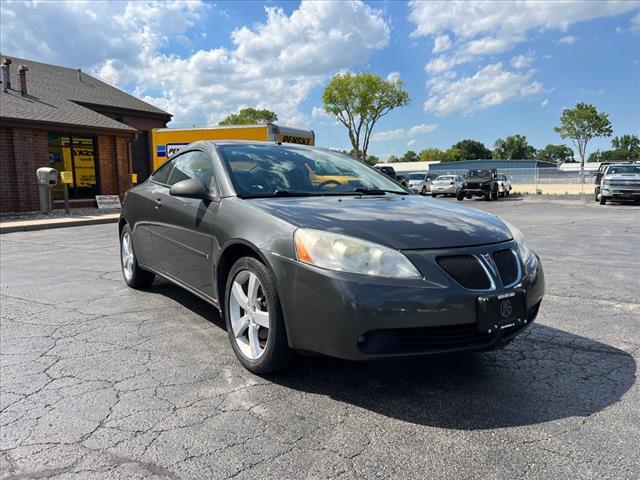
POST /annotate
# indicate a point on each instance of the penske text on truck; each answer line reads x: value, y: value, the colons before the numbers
x: 168, y: 141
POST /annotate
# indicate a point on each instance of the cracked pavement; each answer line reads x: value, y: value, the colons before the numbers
x: 98, y: 381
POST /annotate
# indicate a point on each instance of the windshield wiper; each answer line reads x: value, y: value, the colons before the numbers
x: 377, y: 191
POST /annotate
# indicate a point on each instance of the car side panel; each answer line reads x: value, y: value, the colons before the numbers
x: 138, y: 211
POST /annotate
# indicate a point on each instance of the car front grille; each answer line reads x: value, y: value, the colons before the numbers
x: 625, y: 183
x: 437, y: 339
x: 507, y: 266
x: 466, y: 270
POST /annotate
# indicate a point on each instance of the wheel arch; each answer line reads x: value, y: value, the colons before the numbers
x: 231, y: 253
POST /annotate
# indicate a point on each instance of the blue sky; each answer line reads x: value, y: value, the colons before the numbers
x: 473, y: 70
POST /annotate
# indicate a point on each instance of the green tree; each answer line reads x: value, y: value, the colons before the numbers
x: 453, y: 154
x: 555, y: 153
x: 432, y: 155
x: 473, y: 150
x: 248, y: 116
x: 393, y: 159
x: 370, y: 160
x: 628, y: 145
x: 410, y: 156
x: 513, y: 147
x: 359, y: 100
x: 581, y: 124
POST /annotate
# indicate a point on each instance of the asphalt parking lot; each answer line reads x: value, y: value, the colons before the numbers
x: 101, y: 381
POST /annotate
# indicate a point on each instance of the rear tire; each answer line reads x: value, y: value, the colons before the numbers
x: 434, y: 195
x: 134, y: 276
x: 260, y: 350
x: 424, y: 191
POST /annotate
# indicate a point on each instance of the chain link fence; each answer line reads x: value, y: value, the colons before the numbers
x: 534, y: 175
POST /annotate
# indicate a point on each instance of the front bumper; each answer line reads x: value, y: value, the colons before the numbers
x: 620, y: 192
x: 357, y: 317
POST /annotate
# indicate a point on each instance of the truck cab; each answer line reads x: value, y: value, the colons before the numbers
x: 617, y: 182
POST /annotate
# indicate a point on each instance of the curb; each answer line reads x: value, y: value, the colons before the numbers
x: 32, y: 225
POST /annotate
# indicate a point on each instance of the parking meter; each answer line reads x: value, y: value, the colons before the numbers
x: 47, y: 179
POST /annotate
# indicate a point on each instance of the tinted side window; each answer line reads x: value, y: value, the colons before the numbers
x: 162, y: 174
x: 192, y: 164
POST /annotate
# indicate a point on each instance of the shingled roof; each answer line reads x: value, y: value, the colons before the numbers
x: 61, y: 96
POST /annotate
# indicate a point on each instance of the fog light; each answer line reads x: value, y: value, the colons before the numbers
x: 362, y: 340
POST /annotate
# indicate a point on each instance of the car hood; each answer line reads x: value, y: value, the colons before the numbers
x: 397, y: 221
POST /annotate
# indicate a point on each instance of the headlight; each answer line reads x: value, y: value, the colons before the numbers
x: 347, y: 254
x: 526, y: 254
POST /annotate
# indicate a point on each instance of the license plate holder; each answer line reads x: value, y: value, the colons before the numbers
x: 498, y: 312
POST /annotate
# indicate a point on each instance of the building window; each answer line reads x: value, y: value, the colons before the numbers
x: 78, y: 156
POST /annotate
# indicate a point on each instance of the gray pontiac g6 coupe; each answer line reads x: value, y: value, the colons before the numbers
x: 307, y: 250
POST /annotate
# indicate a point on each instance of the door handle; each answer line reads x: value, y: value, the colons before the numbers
x: 158, y: 203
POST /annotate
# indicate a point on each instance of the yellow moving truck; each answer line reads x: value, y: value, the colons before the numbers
x: 168, y: 141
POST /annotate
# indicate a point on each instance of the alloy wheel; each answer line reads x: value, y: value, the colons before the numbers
x: 249, y: 314
x: 126, y: 254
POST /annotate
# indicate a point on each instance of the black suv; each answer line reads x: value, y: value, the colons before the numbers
x: 481, y: 182
x: 391, y: 173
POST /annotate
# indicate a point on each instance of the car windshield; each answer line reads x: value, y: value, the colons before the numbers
x: 444, y: 178
x: 624, y: 169
x: 479, y: 173
x: 282, y: 170
x: 416, y: 176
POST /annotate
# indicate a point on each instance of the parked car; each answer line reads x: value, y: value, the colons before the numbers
x: 481, y: 182
x: 504, y: 185
x: 420, y: 182
x: 446, y: 185
x: 390, y: 172
x: 617, y: 181
x: 360, y: 270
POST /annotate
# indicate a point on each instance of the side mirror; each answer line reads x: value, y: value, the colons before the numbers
x: 190, y: 188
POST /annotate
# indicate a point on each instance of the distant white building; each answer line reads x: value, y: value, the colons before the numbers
x: 410, y: 166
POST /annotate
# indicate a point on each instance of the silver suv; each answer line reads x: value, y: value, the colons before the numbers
x: 618, y: 181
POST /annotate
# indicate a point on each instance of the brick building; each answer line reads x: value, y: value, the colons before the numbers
x: 60, y: 117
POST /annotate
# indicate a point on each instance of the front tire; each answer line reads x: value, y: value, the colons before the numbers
x: 134, y: 276
x: 424, y: 191
x: 460, y: 195
x: 603, y: 199
x: 254, y: 319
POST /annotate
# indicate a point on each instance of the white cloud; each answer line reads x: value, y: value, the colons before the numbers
x: 544, y: 103
x: 477, y: 29
x: 469, y: 19
x: 410, y: 143
x: 319, y: 112
x: 568, y: 40
x: 394, y: 77
x: 635, y: 24
x: 273, y: 64
x: 414, y: 131
x: 521, y: 61
x: 441, y: 43
x: 489, y: 86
